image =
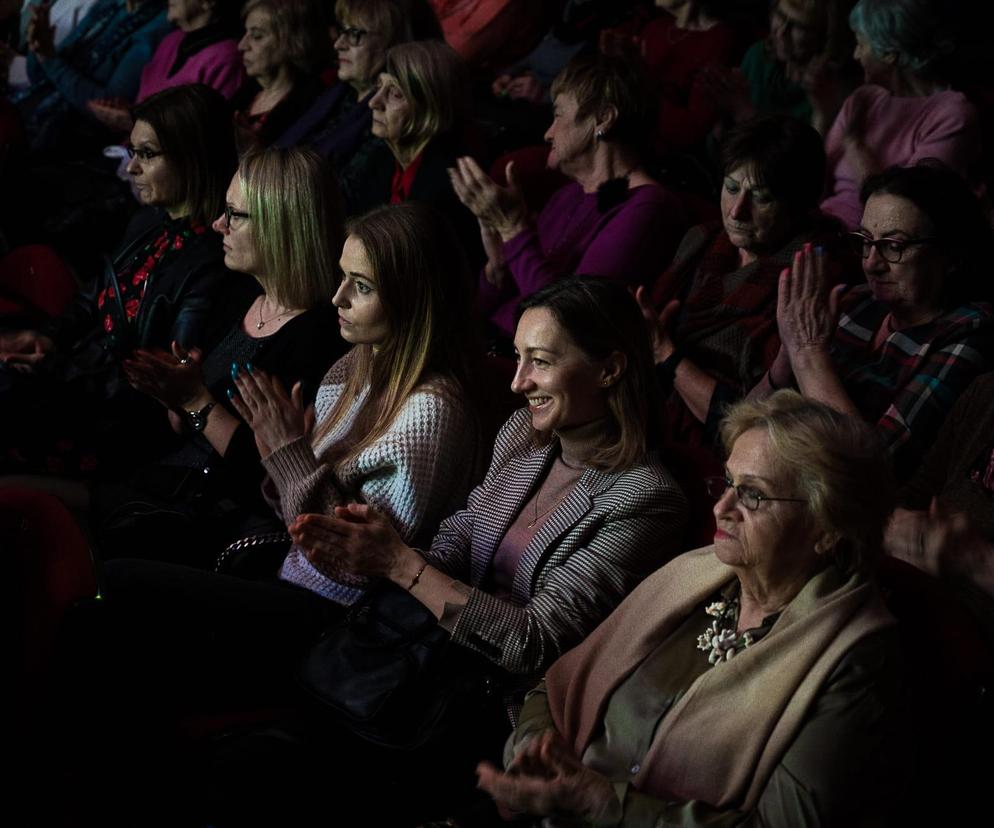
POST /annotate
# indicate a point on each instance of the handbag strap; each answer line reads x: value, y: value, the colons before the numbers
x: 247, y: 543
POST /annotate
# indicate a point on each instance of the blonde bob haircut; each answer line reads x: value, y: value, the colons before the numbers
x: 426, y: 288
x: 299, y: 30
x: 434, y: 82
x: 602, y: 318
x: 835, y: 461
x: 297, y: 225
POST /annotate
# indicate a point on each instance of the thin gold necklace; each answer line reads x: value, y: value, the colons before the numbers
x: 263, y: 322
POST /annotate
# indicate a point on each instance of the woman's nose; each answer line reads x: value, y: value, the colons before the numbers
x: 725, y: 505
x: 133, y: 167
x: 740, y: 207
x: 521, y: 380
x: 219, y: 225
x: 339, y: 300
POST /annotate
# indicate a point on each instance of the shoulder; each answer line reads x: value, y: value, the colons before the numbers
x: 949, y: 105
x: 435, y: 409
x: 643, y: 489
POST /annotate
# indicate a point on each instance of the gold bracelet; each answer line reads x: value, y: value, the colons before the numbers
x: 417, y: 577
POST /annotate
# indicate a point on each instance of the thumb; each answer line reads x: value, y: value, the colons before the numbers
x: 297, y: 396
x: 834, y: 298
x: 511, y: 173
x: 668, y: 314
x: 935, y: 509
x: 309, y: 419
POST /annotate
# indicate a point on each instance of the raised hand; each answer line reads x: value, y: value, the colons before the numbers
x: 500, y: 208
x: 277, y: 418
x: 807, y: 308
x: 357, y: 539
x: 174, y: 379
x: 659, y: 325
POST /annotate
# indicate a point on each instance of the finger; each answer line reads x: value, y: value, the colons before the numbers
x: 309, y: 419
x: 182, y: 357
x: 835, y: 300
x: 668, y: 314
x: 511, y: 173
x: 297, y: 396
x: 783, y: 291
x: 246, y: 413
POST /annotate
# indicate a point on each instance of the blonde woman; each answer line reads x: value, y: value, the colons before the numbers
x: 393, y: 428
x: 280, y: 225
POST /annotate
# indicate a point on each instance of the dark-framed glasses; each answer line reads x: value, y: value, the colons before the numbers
x: 352, y: 34
x: 234, y: 218
x: 890, y: 250
x: 143, y: 154
x: 747, y: 495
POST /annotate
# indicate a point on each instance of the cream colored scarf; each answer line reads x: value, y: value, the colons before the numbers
x: 720, y: 742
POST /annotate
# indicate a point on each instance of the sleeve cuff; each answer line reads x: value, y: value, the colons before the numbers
x: 290, y: 463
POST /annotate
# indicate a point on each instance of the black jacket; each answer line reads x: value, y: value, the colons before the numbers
x: 179, y: 299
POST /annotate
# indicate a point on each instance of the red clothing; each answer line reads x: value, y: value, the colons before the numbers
x: 403, y: 180
x: 676, y: 57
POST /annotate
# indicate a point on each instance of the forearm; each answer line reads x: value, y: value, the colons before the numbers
x: 695, y: 387
x: 302, y: 482
x: 221, y: 424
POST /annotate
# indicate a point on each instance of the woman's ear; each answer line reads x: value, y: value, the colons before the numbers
x: 606, y: 119
x: 614, y: 367
x: 826, y: 543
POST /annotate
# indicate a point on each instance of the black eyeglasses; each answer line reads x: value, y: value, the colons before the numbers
x: 353, y: 34
x: 891, y: 250
x: 142, y: 154
x: 748, y: 496
x: 234, y: 218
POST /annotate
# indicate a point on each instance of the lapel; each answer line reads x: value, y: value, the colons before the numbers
x: 510, y: 491
x: 566, y: 516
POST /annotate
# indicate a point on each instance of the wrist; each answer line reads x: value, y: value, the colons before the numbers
x: 509, y: 229
x: 197, y: 401
x: 407, y: 567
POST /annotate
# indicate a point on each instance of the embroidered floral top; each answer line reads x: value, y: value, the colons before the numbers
x: 133, y: 276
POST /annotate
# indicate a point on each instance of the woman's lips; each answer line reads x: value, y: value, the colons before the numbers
x: 721, y: 534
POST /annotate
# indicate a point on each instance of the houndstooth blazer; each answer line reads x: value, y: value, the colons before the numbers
x: 601, y: 541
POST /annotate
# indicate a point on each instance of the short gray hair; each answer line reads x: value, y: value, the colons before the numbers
x: 835, y: 460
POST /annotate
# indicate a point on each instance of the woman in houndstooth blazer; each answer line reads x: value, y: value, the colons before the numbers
x: 574, y: 512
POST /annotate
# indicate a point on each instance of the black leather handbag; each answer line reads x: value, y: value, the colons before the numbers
x: 390, y: 674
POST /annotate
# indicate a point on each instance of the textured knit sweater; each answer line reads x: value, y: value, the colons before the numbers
x: 418, y: 472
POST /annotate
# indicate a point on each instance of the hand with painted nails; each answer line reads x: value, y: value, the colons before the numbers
x: 807, y: 307
x: 275, y: 417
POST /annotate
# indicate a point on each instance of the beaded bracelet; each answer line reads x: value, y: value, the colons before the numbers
x: 417, y: 577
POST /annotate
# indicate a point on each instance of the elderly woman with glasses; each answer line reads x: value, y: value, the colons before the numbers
x: 754, y: 680
x: 900, y: 349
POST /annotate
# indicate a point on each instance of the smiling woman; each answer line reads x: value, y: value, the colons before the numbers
x: 757, y: 679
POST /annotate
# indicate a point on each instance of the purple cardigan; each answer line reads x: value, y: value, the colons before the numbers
x: 217, y: 65
x: 632, y: 242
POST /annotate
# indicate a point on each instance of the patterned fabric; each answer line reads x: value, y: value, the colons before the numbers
x: 133, y: 277
x: 727, y: 322
x: 910, y: 382
x: 417, y: 473
x: 606, y: 535
x: 959, y: 467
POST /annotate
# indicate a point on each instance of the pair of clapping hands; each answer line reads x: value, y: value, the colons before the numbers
x: 357, y: 538
x: 175, y: 380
